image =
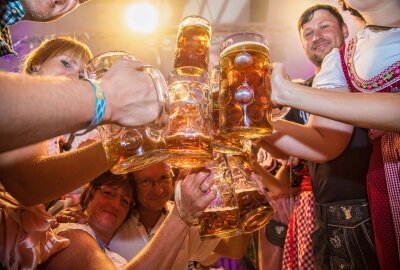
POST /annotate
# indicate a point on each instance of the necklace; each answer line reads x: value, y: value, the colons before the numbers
x: 147, y: 229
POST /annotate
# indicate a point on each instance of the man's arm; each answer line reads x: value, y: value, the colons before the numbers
x: 32, y: 177
x: 34, y: 108
x: 358, y: 109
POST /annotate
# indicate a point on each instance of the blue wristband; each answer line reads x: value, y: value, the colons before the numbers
x: 100, y: 106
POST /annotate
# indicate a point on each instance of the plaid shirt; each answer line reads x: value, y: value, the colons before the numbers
x: 11, y: 11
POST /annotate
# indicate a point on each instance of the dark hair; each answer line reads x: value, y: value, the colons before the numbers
x: 110, y: 179
x: 309, y: 13
x: 353, y: 12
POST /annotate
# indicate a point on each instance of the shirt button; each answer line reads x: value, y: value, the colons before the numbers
x: 14, y: 11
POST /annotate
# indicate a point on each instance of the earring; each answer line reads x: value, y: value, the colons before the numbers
x: 35, y: 68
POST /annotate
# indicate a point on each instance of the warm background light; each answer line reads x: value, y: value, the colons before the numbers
x: 142, y: 17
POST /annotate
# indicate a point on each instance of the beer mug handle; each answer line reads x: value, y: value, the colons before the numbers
x: 162, y: 92
x: 279, y: 112
x: 214, y: 78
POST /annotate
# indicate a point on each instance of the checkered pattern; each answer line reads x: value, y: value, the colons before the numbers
x: 390, y: 145
x: 383, y: 184
x: 298, y: 252
x: 11, y: 12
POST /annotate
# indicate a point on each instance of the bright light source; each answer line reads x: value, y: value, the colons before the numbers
x: 142, y: 17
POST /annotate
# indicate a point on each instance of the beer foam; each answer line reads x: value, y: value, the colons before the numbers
x: 243, y: 43
x: 218, y: 209
x: 240, y: 190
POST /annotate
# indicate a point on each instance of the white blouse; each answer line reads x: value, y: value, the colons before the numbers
x: 375, y: 51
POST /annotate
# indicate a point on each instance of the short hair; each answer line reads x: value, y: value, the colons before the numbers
x: 353, y: 12
x: 309, y: 13
x: 109, y: 179
x: 53, y: 47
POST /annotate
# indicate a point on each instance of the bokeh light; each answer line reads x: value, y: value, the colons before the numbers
x: 142, y: 17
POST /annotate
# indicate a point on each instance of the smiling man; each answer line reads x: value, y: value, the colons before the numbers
x: 339, y: 156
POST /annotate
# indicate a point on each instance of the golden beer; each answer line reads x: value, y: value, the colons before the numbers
x: 246, y: 107
x: 193, y: 43
x: 226, y: 145
x: 219, y: 222
x: 136, y: 149
x: 255, y: 211
x: 188, y: 136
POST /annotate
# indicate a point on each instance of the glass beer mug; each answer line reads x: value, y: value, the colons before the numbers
x: 246, y: 110
x: 188, y: 133
x: 254, y: 209
x: 130, y: 148
x: 221, y: 217
x: 193, y: 43
x: 222, y: 144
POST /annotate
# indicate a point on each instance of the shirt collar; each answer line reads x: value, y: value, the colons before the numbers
x: 11, y: 12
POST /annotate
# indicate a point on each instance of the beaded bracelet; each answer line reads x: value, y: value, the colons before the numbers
x: 100, y: 106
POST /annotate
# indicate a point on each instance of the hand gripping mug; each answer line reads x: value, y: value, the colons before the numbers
x: 246, y: 110
x: 131, y: 148
x: 221, y: 217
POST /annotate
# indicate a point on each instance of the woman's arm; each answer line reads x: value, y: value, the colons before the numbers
x: 320, y: 141
x: 358, y: 109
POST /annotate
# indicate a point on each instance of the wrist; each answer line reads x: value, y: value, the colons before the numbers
x: 107, y: 118
x: 177, y: 217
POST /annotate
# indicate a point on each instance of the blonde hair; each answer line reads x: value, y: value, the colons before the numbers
x: 53, y: 47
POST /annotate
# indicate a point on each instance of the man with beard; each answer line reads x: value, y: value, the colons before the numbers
x: 339, y: 155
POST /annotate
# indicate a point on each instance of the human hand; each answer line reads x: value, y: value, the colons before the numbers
x: 279, y: 83
x: 195, y: 193
x: 71, y: 214
x: 130, y: 94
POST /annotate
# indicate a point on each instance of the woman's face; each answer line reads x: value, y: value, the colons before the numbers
x: 109, y: 206
x: 63, y: 64
x: 367, y: 5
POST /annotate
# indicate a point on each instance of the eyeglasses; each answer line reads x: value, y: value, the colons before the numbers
x: 111, y: 193
x: 163, y: 181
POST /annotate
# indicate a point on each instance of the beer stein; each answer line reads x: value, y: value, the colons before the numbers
x: 227, y: 145
x: 193, y: 43
x: 246, y: 109
x: 188, y: 133
x: 254, y: 209
x: 221, y: 217
x: 130, y: 148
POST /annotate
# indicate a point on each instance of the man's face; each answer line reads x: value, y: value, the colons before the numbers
x: 154, y: 187
x: 321, y: 34
x: 47, y: 10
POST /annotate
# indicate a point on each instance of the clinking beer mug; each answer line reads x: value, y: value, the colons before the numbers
x: 188, y: 133
x: 131, y: 148
x: 254, y: 209
x: 193, y: 43
x: 221, y: 217
x: 246, y: 109
x: 227, y: 145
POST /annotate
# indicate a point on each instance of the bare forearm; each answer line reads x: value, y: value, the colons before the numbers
x: 162, y: 250
x: 322, y: 140
x: 34, y: 109
x: 43, y: 178
x: 380, y: 111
